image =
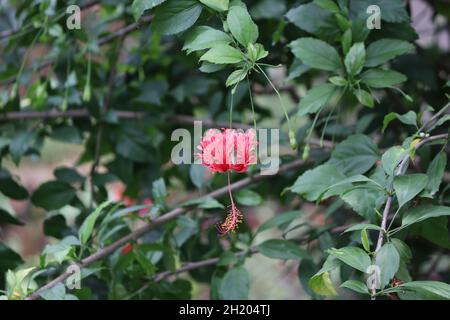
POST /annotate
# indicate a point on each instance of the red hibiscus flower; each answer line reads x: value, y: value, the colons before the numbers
x: 228, y: 150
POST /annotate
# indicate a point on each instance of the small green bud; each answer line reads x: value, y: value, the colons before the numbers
x: 13, y: 92
x: 305, y: 155
x: 292, y: 140
x: 87, y: 92
x: 64, y: 104
x: 409, y: 98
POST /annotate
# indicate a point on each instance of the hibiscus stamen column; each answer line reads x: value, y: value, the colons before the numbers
x: 234, y: 216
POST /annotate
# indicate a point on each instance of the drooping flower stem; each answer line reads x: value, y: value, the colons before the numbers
x: 292, y: 139
x: 229, y: 187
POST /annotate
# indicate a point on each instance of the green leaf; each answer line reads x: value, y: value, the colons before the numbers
x: 356, y: 286
x: 384, y: 50
x: 197, y: 174
x: 175, y: 16
x: 7, y: 218
x: 139, y: 6
x: 151, y: 92
x: 314, y: 19
x: 362, y: 226
x: 20, y: 144
x: 408, y: 186
x: 55, y: 226
x: 391, y: 10
x: 379, y: 78
x: 208, y: 67
x: 297, y: 69
x: 364, y: 200
x: 440, y: 122
x: 218, y: 5
x: 235, y: 284
x: 352, y: 256
x: 364, y: 97
x: 428, y: 289
x: 338, y: 81
x: 205, y: 37
x: 280, y: 220
x: 409, y: 118
x: 365, y: 240
x: 268, y: 9
x: 10, y: 188
x: 159, y: 191
x: 9, y: 260
x: 328, y: 4
x: 282, y: 249
x: 222, y: 54
x: 306, y: 270
x: 256, y: 51
x: 435, y: 173
x: 346, y: 41
x: 316, y: 98
x: 422, y: 213
x: 204, y: 203
x: 355, y: 58
x: 241, y: 25
x: 355, y: 155
x: 322, y: 285
x: 60, y: 251
x: 66, y: 134
x: 403, y: 249
x: 344, y: 185
x: 313, y: 182
x: 18, y: 282
x: 236, y: 77
x: 316, y: 53
x: 69, y: 175
x: 248, y: 197
x: 388, y: 259
x: 58, y: 292
x: 434, y: 230
x: 53, y: 195
x: 85, y: 231
x: 227, y: 258
x: 392, y: 158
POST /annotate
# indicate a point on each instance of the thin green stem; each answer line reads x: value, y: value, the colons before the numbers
x: 251, y: 102
x: 25, y: 58
x: 277, y: 93
x: 393, y: 219
x: 326, y: 122
x: 437, y: 115
x: 325, y: 126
